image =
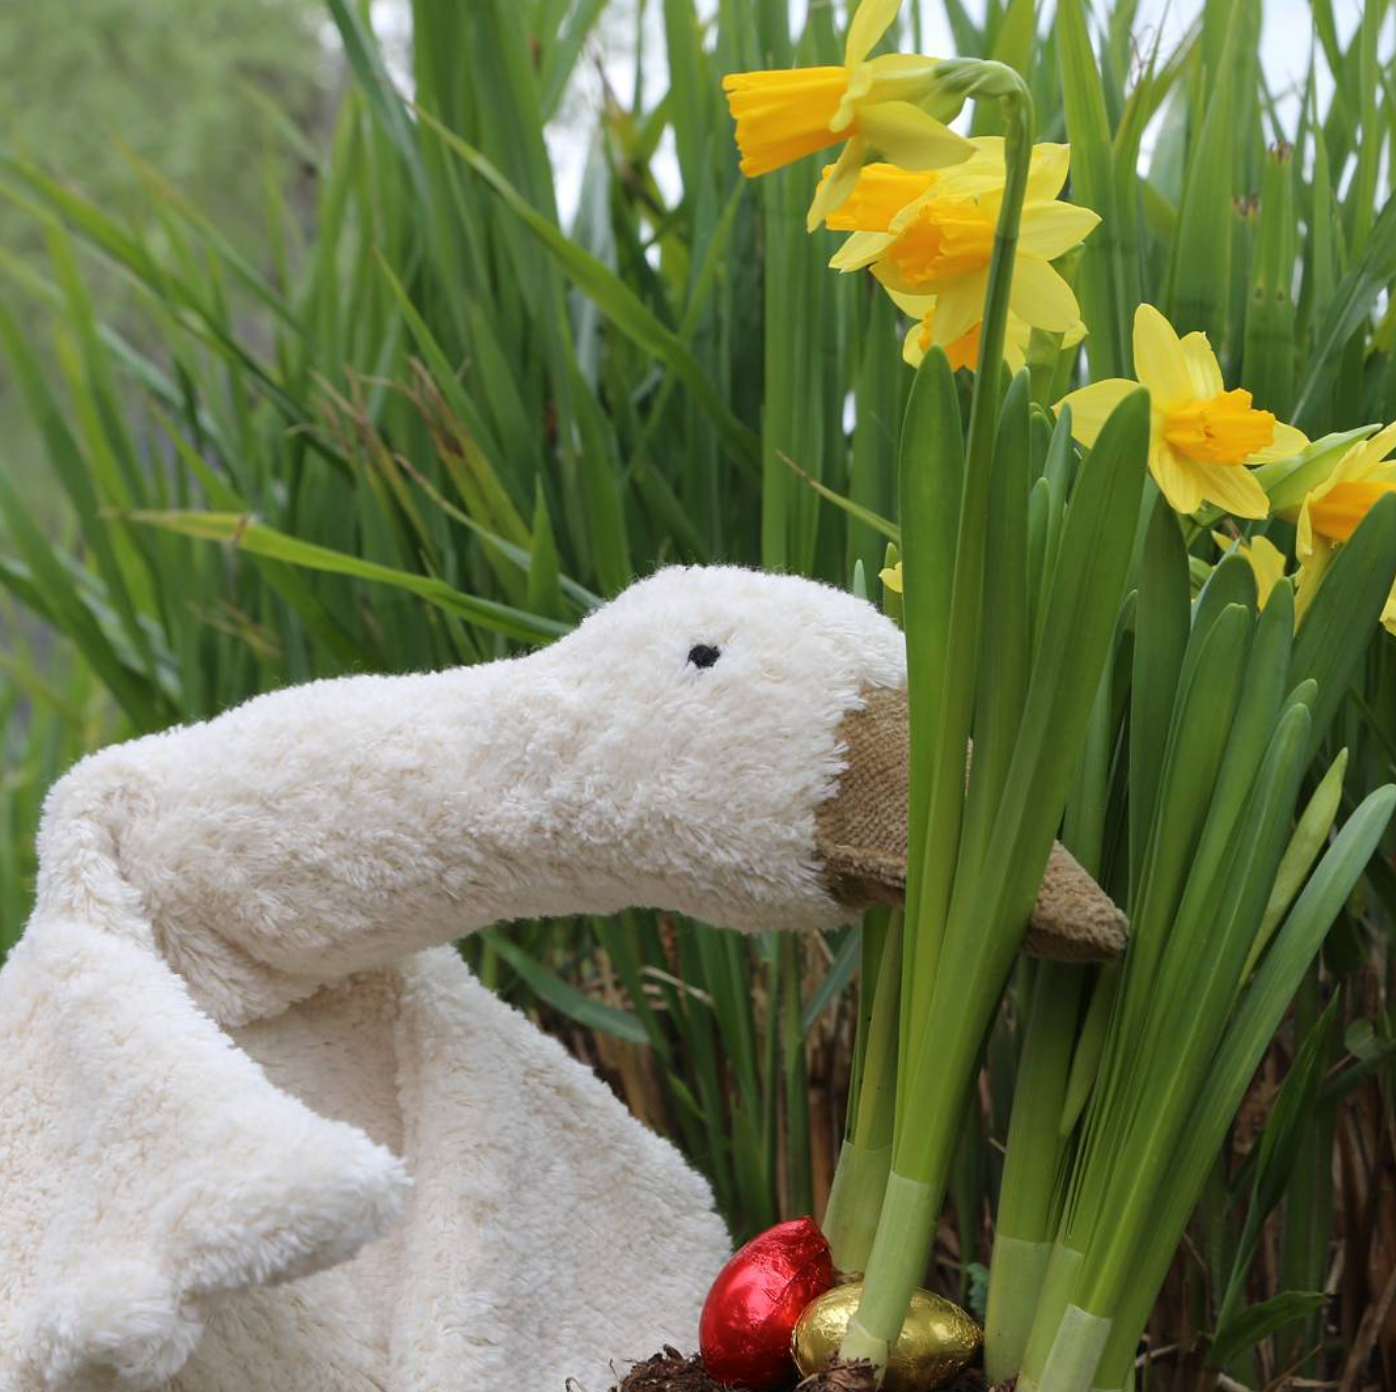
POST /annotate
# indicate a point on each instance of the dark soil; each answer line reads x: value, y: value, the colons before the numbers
x: 973, y: 1380
x: 672, y: 1371
x: 669, y: 1371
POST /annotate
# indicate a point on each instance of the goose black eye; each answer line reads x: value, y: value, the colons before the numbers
x: 703, y: 654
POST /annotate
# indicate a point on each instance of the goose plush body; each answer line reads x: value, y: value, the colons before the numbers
x: 260, y: 1130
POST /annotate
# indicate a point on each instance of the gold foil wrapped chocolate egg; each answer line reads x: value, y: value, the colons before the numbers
x: 936, y: 1341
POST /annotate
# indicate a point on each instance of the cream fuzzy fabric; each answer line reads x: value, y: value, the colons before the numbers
x: 260, y: 1132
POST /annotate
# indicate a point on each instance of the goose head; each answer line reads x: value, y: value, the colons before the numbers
x: 719, y: 697
x: 746, y: 749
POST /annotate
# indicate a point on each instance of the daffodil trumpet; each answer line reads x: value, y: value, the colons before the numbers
x: 893, y: 104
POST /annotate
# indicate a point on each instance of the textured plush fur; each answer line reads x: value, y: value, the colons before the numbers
x: 260, y: 1133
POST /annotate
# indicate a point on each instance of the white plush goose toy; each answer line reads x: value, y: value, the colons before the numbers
x: 260, y: 1131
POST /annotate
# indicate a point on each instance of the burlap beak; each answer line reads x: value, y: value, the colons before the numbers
x: 860, y: 838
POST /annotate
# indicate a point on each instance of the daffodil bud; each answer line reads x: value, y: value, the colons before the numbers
x: 980, y: 78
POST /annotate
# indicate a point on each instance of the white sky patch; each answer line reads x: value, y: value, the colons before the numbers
x: 1288, y: 44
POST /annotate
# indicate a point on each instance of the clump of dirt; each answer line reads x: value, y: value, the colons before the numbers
x: 670, y: 1371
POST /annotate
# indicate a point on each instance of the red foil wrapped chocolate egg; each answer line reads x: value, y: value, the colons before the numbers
x: 750, y: 1312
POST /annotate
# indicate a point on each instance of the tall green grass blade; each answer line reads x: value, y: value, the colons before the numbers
x: 619, y: 303
x: 249, y: 535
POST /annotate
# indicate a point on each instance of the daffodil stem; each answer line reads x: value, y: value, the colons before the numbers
x: 951, y: 715
x: 872, y: 1125
x: 855, y: 1200
x: 934, y: 1082
x: 1076, y: 1351
x: 860, y: 1180
x: 1055, y: 1296
x: 1030, y: 1195
x: 1017, y: 109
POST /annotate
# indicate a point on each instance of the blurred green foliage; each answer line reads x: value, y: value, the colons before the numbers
x: 104, y: 92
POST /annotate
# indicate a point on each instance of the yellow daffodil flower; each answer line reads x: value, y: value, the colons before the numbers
x: 1201, y: 435
x: 883, y: 190
x: 964, y: 351
x: 933, y: 234
x: 1331, y: 513
x: 1266, y: 559
x: 870, y: 103
x: 891, y: 577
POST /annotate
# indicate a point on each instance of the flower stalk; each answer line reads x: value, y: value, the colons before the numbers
x: 865, y: 1159
x: 916, y: 1186
x: 1033, y: 1186
x: 946, y: 719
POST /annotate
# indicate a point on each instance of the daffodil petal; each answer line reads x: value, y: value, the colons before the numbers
x: 913, y: 305
x: 899, y: 77
x: 1268, y: 563
x: 972, y: 179
x: 1304, y: 533
x: 1388, y: 613
x: 860, y: 249
x: 959, y: 306
x: 1159, y: 360
x: 1350, y: 468
x: 1016, y: 336
x: 983, y: 172
x: 1040, y: 295
x: 1376, y: 449
x: 1046, y: 174
x: 1230, y: 486
x: 1047, y: 171
x: 837, y: 183
x: 988, y: 147
x: 1308, y: 578
x: 907, y: 136
x: 912, y: 351
x: 871, y: 20
x: 1091, y: 406
x: 1266, y: 560
x: 1204, y: 372
x: 1177, y: 479
x: 1050, y: 229
x: 1287, y: 443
